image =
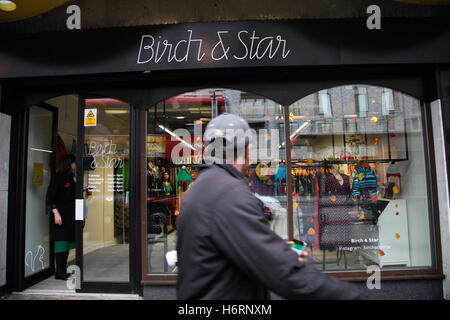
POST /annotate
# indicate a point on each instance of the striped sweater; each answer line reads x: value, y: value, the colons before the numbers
x: 364, y: 178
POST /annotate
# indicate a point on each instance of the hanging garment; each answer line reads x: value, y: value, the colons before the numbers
x: 322, y: 180
x: 184, y: 179
x: 365, y: 189
x: 308, y: 204
x: 393, y: 176
x: 365, y: 178
x: 299, y: 187
x: 152, y: 180
x: 281, y: 172
x: 280, y: 175
x: 123, y: 172
x: 167, y: 189
x: 316, y: 210
x: 126, y: 175
x: 264, y: 188
x: 333, y: 187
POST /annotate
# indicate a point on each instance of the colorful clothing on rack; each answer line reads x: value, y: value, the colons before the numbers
x: 308, y: 206
x: 365, y: 188
x: 365, y: 178
x: 280, y: 175
x: 333, y: 187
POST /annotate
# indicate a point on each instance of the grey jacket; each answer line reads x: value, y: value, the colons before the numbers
x: 226, y: 249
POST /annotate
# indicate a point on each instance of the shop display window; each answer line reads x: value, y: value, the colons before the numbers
x: 175, y: 147
x: 353, y: 159
x: 359, y: 179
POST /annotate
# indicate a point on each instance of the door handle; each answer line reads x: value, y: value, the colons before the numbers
x: 81, y: 209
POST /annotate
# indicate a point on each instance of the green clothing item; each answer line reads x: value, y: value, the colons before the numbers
x: 183, y: 175
x: 64, y: 246
x: 167, y: 189
x: 125, y: 172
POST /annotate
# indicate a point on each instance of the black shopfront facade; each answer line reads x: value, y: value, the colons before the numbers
x: 345, y: 97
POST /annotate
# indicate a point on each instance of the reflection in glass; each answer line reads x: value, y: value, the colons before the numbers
x: 107, y: 190
x: 359, y: 179
x: 37, y: 226
x: 175, y: 145
x: 359, y: 195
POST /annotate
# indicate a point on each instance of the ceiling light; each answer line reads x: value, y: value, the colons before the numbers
x: 175, y: 136
x: 303, y: 126
x: 41, y: 150
x: 180, y: 117
x: 6, y: 5
x: 116, y: 111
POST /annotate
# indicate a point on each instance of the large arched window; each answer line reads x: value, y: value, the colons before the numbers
x: 175, y: 146
x: 351, y: 181
x: 359, y: 178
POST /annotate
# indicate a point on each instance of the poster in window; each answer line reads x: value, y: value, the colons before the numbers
x: 38, y: 174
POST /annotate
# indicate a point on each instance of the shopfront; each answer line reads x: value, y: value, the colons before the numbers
x: 342, y: 149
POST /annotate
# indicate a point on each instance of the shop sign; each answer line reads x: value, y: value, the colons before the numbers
x: 223, y: 45
x: 250, y: 44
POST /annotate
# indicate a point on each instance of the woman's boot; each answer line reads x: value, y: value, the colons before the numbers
x: 61, y: 265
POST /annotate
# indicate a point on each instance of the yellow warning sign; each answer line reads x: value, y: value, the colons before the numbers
x: 90, y: 117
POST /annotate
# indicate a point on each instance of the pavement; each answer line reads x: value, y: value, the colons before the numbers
x: 53, y: 289
x: 67, y: 296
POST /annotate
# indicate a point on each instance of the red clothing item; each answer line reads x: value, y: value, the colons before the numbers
x: 316, y: 210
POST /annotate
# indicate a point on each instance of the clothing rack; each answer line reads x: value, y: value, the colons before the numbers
x: 352, y: 161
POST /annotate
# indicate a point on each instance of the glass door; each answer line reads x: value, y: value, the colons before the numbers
x: 38, y: 255
x: 106, y: 191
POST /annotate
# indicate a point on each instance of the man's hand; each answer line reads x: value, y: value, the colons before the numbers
x: 304, y: 252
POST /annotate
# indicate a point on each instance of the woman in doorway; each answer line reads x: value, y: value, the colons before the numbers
x: 61, y: 199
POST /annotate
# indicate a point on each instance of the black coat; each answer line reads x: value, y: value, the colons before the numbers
x: 61, y: 195
x: 226, y: 249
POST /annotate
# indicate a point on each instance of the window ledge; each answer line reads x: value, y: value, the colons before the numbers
x: 397, y: 275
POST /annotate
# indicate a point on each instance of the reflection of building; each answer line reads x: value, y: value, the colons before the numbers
x: 342, y: 94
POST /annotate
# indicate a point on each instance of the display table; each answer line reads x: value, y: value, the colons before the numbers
x: 393, y: 237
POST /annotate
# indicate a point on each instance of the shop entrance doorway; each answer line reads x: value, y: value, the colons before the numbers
x: 49, y: 131
x: 97, y: 132
x: 103, y: 244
